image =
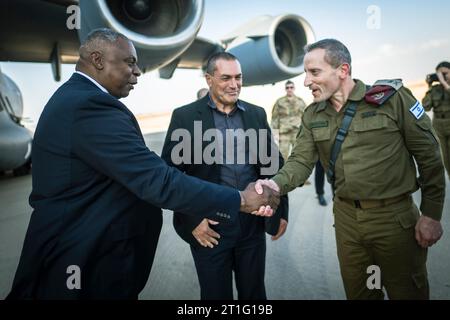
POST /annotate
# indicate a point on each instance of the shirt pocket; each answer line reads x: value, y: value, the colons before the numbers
x: 372, y: 123
x: 321, y: 134
x: 371, y: 133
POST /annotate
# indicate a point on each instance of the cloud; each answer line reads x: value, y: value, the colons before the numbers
x: 389, y: 50
x: 434, y: 44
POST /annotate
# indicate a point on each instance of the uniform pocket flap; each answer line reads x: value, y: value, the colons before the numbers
x: 370, y: 123
x: 407, y: 220
x: 321, y: 134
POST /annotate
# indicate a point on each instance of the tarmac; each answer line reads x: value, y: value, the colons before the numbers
x: 301, y: 265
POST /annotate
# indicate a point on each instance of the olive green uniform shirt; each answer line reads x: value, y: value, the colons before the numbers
x: 287, y: 114
x: 376, y: 158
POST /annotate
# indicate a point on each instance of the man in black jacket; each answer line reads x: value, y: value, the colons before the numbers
x: 236, y: 157
x: 98, y: 190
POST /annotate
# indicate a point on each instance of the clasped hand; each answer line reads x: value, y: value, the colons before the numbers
x: 260, y: 199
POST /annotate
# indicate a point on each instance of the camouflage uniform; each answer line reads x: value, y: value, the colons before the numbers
x: 438, y: 99
x: 286, y: 117
x: 375, y: 176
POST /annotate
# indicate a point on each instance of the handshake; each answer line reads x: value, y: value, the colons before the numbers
x: 260, y: 198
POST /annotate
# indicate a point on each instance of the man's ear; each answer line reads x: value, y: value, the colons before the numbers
x: 345, y: 70
x: 208, y: 79
x: 97, y: 60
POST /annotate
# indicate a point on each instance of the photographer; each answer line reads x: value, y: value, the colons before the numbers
x: 438, y: 99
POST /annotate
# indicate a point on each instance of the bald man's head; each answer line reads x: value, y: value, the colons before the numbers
x: 110, y: 58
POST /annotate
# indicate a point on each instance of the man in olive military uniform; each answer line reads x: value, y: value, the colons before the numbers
x: 438, y: 99
x: 287, y: 115
x: 370, y: 164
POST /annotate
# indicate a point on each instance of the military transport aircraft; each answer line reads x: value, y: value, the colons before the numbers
x: 164, y: 32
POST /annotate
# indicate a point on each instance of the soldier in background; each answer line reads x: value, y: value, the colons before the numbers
x: 287, y: 115
x: 438, y: 99
x: 286, y: 118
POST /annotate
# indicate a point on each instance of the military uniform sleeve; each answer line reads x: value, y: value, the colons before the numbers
x: 427, y: 101
x: 423, y: 145
x: 275, y: 122
x: 300, y: 163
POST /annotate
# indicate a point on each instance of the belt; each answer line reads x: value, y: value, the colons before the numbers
x: 369, y: 204
x: 441, y: 116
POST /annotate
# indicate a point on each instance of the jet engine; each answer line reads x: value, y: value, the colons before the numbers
x: 269, y: 48
x: 160, y: 30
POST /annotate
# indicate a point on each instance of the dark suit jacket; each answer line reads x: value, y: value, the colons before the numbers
x: 97, y: 194
x: 254, y: 117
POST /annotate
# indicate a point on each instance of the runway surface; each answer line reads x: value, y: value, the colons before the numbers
x: 301, y: 265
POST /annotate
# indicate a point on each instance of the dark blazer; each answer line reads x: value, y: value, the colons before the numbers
x: 184, y: 117
x: 97, y: 194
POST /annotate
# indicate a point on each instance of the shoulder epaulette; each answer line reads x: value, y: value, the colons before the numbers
x: 382, y: 90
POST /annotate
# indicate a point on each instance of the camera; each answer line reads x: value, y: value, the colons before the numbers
x: 432, y: 78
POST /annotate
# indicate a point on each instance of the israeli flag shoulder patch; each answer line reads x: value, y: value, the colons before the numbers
x: 417, y: 110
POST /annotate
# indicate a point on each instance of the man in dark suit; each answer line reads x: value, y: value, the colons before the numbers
x: 220, y: 249
x: 98, y: 190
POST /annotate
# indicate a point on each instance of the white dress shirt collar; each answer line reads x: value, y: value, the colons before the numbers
x: 95, y: 82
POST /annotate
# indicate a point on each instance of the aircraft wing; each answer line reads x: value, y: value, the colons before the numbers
x: 164, y: 33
